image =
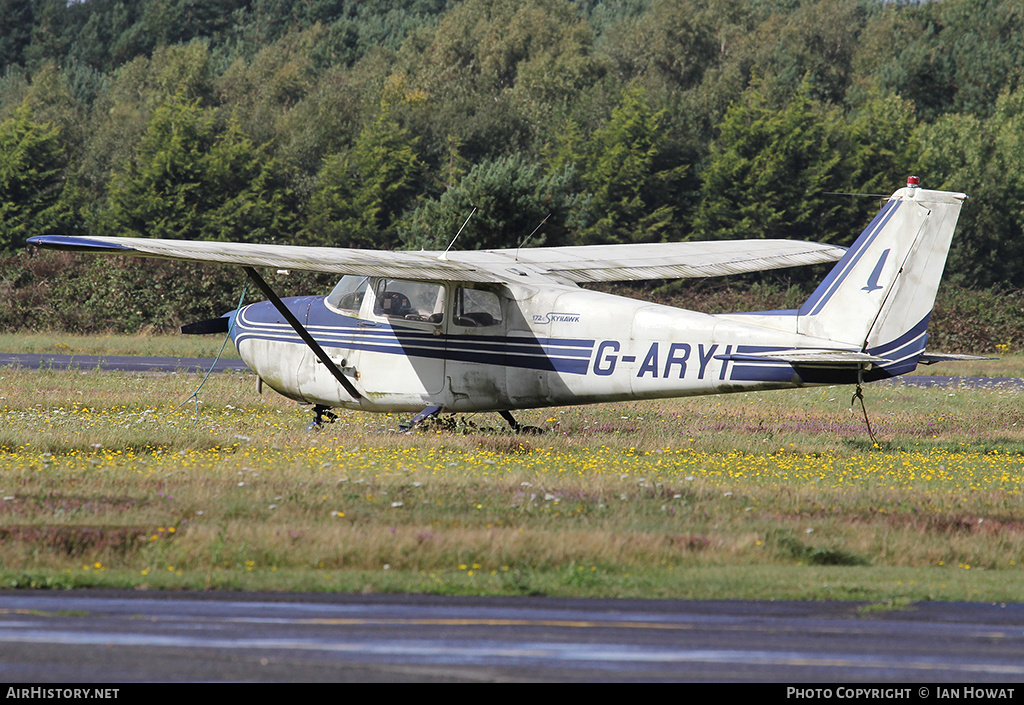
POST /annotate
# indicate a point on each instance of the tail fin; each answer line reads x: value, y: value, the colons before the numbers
x: 879, y: 296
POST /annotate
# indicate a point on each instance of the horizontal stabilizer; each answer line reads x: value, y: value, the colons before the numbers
x: 928, y: 358
x: 852, y: 359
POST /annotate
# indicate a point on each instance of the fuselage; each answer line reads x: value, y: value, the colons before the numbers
x: 482, y: 347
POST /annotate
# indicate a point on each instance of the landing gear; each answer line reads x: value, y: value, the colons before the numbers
x: 419, y: 418
x: 466, y: 427
x: 519, y: 428
x: 322, y: 415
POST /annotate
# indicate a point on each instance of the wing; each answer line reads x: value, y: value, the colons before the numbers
x: 403, y: 265
x: 673, y: 260
x: 588, y: 263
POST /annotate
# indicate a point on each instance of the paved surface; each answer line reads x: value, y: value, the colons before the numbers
x: 114, y: 362
x: 107, y: 636
x: 972, y: 382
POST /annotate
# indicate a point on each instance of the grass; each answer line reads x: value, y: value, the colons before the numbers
x: 106, y: 479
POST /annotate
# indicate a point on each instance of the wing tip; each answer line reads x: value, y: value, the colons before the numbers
x: 76, y: 243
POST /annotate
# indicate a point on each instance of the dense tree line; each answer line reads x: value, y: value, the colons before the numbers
x: 382, y: 124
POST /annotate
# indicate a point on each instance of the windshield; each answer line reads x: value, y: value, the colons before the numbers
x: 348, y: 294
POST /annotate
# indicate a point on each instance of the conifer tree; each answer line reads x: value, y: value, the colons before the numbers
x: 31, y: 178
x: 192, y: 179
x: 361, y: 193
x: 633, y: 176
x: 768, y: 171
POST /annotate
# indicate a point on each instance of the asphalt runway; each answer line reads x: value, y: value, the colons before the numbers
x: 125, y: 637
x: 85, y: 363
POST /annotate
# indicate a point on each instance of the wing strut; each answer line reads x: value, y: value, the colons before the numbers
x: 303, y: 333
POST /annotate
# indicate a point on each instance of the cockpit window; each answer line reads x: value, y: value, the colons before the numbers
x: 476, y: 308
x: 410, y: 300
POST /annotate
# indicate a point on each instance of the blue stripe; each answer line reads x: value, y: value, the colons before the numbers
x: 527, y: 357
x: 515, y: 345
x: 77, y: 243
x: 750, y: 349
x: 910, y: 335
x: 762, y: 373
x: 841, y: 271
x: 777, y: 312
x: 550, y: 364
x: 913, y: 349
x: 571, y: 356
x: 417, y: 339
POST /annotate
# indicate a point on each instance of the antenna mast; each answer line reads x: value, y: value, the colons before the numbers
x: 527, y: 238
x: 444, y: 255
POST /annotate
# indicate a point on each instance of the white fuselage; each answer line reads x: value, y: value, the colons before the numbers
x: 546, y: 346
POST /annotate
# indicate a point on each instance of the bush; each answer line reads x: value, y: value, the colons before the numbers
x: 78, y: 293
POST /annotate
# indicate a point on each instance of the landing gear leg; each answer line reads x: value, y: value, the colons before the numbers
x: 518, y: 427
x: 419, y: 418
x: 322, y: 415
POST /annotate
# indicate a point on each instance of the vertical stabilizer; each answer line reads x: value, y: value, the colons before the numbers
x: 880, y: 294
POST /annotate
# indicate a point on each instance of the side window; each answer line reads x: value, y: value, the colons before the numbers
x: 476, y: 308
x: 409, y: 300
x: 348, y: 295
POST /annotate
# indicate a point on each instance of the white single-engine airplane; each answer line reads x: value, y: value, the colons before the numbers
x: 500, y: 330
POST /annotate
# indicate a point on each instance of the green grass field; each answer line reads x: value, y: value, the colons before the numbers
x: 121, y: 480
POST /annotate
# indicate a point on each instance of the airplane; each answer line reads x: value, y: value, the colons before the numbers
x: 508, y: 329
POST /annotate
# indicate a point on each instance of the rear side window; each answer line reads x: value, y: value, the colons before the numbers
x: 476, y: 308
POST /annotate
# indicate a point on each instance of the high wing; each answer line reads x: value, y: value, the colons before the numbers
x: 588, y: 263
x: 664, y: 260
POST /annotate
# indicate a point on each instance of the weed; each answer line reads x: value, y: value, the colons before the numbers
x: 773, y: 495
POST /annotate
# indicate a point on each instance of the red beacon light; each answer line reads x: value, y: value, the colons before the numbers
x: 913, y: 182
